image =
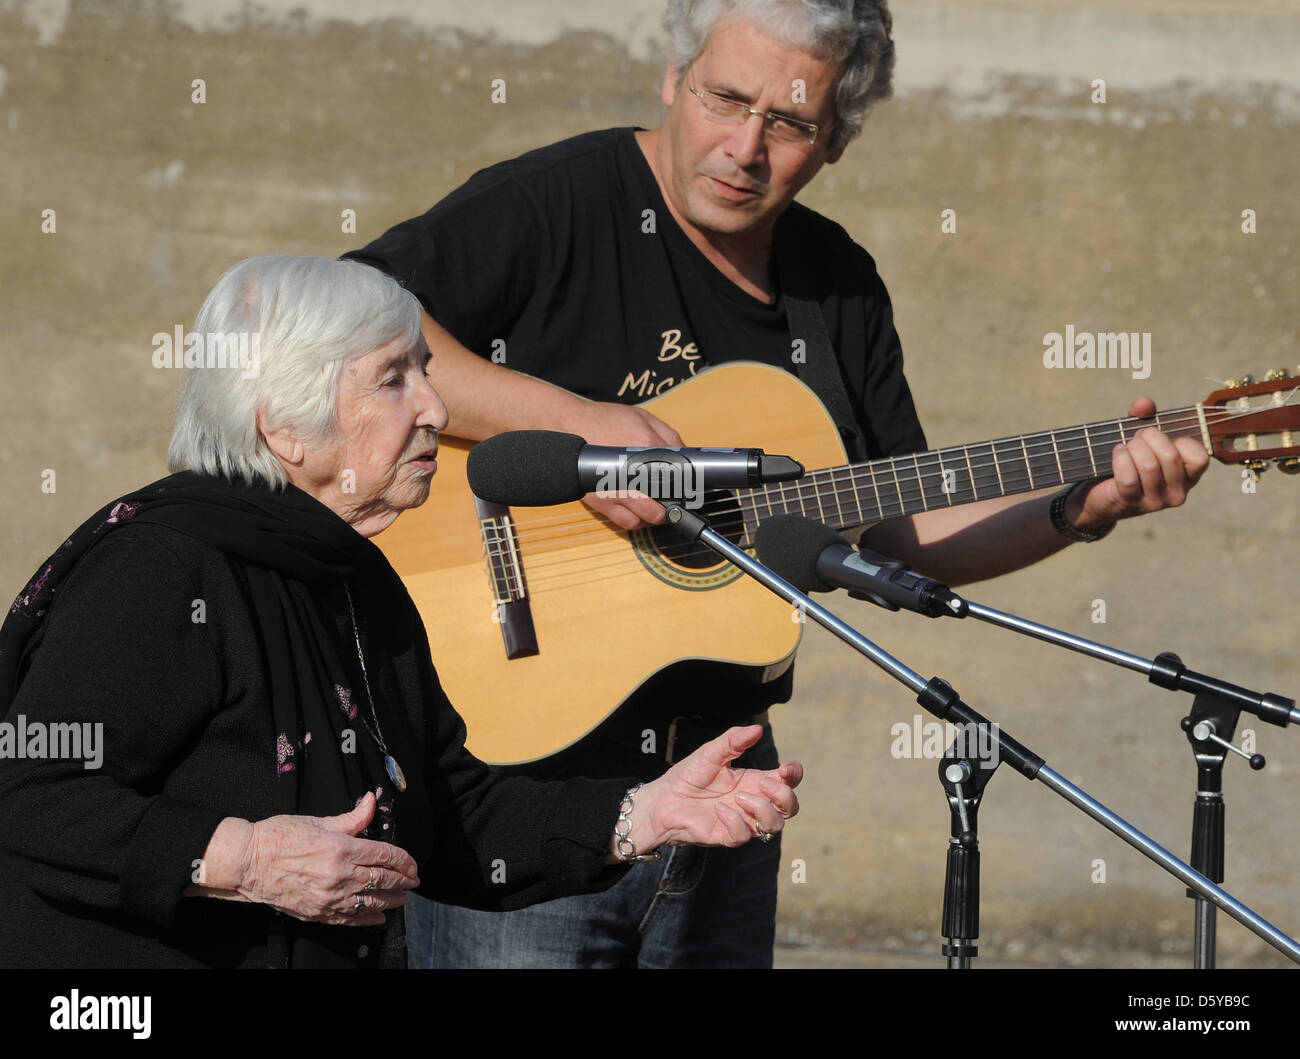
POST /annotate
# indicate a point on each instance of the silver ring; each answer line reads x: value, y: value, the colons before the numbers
x: 370, y: 884
x: 763, y: 836
x: 361, y: 902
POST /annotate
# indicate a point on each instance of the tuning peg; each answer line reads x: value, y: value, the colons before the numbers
x: 1289, y: 464
x: 1258, y: 466
x: 1278, y: 373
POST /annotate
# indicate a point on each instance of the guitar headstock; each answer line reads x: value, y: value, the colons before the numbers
x: 1253, y: 422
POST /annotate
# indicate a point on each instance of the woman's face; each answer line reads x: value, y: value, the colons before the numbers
x: 382, y: 458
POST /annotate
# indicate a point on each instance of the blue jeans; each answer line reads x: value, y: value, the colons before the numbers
x: 694, y: 907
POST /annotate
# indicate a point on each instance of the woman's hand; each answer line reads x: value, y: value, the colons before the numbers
x: 702, y: 801
x: 309, y: 867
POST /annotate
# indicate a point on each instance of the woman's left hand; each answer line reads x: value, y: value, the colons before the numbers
x: 702, y: 801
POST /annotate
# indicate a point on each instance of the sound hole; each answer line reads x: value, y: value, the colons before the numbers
x: 722, y: 509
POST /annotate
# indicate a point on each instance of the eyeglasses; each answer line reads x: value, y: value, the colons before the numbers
x: 734, y: 112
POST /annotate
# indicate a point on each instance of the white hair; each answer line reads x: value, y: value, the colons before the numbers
x: 854, y: 33
x: 308, y: 316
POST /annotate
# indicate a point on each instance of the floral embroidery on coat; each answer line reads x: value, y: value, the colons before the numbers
x: 284, y: 755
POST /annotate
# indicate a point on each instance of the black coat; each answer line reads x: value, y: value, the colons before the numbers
x: 93, y: 862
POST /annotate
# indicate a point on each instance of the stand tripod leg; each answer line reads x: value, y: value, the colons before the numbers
x: 1205, y: 928
x: 961, y: 901
x: 964, y: 785
x: 1207, y: 858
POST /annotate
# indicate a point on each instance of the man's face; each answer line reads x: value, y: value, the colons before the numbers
x: 731, y: 180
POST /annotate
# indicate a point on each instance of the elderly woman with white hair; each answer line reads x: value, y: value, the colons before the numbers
x: 279, y: 764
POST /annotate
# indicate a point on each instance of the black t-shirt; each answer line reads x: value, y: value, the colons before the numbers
x: 569, y: 256
x: 93, y: 861
x: 566, y: 264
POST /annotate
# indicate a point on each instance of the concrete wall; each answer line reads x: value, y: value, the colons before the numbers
x: 1117, y: 216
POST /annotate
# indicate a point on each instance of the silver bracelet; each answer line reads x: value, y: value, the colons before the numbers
x: 623, y: 845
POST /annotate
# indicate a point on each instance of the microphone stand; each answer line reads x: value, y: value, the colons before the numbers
x: 939, y: 698
x: 1216, y: 708
x: 961, y: 882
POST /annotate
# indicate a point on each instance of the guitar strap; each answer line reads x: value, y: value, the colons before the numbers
x: 820, y: 368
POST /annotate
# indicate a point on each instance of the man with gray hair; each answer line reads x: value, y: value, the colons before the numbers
x: 612, y: 267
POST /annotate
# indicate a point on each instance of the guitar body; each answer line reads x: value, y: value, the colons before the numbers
x: 589, y: 612
x: 610, y: 608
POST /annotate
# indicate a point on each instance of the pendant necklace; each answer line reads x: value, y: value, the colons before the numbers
x: 394, y: 770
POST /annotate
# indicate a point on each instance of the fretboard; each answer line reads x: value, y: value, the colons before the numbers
x: 859, y: 493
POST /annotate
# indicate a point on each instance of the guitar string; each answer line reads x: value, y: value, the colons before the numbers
x: 932, y: 457
x: 608, y: 563
x: 543, y: 573
x: 844, y: 482
x: 732, y: 525
x: 912, y: 490
x: 543, y: 570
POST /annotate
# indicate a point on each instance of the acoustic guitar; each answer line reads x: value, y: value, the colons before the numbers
x: 542, y: 621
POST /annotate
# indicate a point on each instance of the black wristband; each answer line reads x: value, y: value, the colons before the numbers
x: 1062, y: 525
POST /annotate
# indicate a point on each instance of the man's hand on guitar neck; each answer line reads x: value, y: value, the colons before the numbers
x: 1152, y: 472
x: 973, y: 542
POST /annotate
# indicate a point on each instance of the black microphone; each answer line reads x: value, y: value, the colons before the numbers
x: 814, y: 558
x: 535, y: 468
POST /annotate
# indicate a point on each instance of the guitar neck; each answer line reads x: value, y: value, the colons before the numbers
x: 854, y: 494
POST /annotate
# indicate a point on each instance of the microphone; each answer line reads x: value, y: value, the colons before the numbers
x: 814, y: 558
x: 536, y: 468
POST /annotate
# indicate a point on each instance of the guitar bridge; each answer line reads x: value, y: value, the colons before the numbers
x: 505, y: 569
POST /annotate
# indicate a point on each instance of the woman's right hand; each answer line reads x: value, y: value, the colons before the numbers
x: 314, y: 869
x: 310, y: 867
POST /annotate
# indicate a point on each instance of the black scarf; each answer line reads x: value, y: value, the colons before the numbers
x: 293, y: 553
